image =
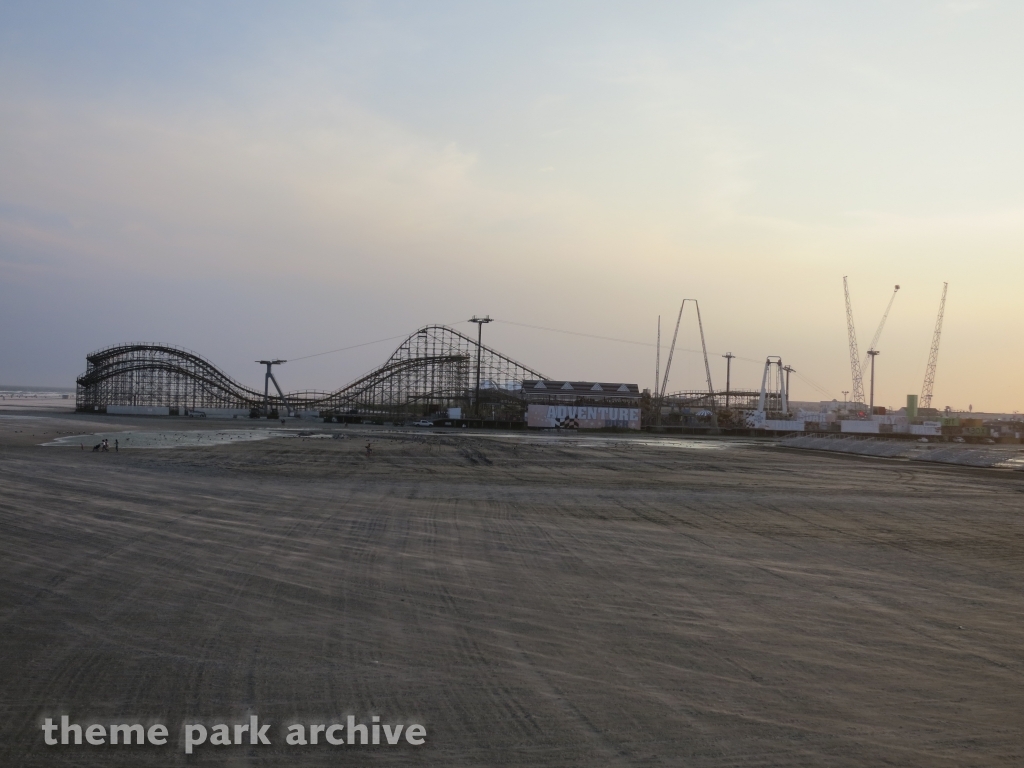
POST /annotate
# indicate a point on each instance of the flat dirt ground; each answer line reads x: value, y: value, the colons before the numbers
x: 532, y: 601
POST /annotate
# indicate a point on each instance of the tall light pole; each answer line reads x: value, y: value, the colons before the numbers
x: 871, y: 406
x: 728, y: 370
x: 479, y: 346
x: 788, y: 369
x: 845, y: 393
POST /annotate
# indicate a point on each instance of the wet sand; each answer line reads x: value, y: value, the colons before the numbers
x: 533, y: 602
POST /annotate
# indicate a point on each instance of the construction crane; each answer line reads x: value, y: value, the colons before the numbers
x: 881, y: 325
x: 855, y: 367
x: 933, y: 355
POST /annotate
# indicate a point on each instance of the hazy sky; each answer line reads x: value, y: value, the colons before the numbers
x: 249, y: 180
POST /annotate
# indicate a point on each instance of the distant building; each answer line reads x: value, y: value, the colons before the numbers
x: 581, y: 404
x: 544, y: 391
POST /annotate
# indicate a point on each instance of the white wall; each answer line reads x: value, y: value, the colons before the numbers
x: 860, y: 427
x: 784, y: 425
x: 220, y: 413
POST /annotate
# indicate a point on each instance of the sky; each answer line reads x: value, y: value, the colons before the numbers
x: 261, y: 179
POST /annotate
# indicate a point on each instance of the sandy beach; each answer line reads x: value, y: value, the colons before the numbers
x: 532, y: 600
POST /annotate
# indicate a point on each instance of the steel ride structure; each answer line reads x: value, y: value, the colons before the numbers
x: 736, y: 399
x: 435, y: 368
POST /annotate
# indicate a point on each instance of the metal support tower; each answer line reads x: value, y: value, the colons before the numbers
x: 728, y: 370
x: 671, y: 352
x: 704, y: 348
x: 872, y: 353
x: 657, y: 360
x: 933, y: 355
x: 479, y: 347
x: 660, y: 393
x: 266, y: 385
x: 770, y: 395
x: 672, y: 349
x: 855, y: 369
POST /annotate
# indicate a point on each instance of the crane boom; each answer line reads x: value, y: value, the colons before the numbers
x: 881, y: 325
x: 855, y: 369
x: 933, y: 355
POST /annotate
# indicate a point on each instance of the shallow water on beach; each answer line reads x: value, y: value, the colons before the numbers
x: 168, y: 439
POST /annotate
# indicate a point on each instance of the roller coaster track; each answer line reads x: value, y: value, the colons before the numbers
x: 432, y: 369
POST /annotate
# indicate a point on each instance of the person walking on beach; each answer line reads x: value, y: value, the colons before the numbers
x: 117, y: 445
x: 369, y: 450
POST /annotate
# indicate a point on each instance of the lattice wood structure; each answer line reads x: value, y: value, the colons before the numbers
x: 432, y: 370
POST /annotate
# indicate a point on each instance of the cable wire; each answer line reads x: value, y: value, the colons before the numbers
x: 343, y: 349
x: 803, y: 377
x: 621, y: 341
x: 364, y: 344
x: 814, y: 384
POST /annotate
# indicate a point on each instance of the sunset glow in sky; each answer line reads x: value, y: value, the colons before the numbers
x: 252, y: 180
